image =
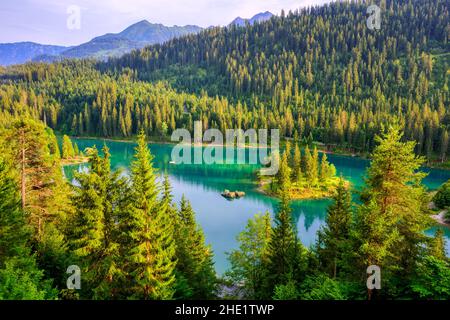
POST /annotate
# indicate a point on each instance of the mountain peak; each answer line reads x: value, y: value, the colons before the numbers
x: 260, y: 17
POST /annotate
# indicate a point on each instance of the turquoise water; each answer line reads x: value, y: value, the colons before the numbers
x: 222, y: 219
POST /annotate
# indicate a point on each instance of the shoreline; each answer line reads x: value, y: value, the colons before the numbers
x: 314, y: 194
x: 78, y: 160
x: 440, y: 218
x: 339, y: 153
x: 150, y: 141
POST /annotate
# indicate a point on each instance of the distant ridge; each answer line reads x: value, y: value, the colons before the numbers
x: 260, y: 17
x: 136, y: 36
x: 21, y: 52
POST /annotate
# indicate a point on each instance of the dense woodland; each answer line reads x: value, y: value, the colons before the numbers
x: 317, y: 74
x: 318, y: 71
x: 131, y: 241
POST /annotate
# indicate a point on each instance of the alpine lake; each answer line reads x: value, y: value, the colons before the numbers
x: 221, y: 219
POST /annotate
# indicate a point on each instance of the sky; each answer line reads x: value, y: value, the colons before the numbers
x: 72, y: 22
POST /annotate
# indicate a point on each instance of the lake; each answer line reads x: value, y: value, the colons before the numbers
x: 221, y: 219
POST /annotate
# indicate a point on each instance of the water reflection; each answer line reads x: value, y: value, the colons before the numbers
x: 221, y: 219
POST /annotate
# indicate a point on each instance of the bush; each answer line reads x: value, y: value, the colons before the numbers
x: 442, y: 197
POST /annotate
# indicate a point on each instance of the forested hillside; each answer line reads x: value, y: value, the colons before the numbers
x: 319, y: 71
x: 322, y: 70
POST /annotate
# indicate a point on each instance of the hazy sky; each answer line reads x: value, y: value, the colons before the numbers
x: 45, y: 21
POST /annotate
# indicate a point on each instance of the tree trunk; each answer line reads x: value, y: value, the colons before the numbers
x: 22, y: 171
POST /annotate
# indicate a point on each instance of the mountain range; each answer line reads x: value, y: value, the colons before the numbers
x: 260, y: 17
x: 136, y: 36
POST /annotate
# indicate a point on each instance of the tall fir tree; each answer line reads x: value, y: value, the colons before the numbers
x: 297, y: 165
x: 334, y: 240
x: 44, y: 192
x: 93, y: 232
x: 284, y: 250
x: 20, y: 277
x: 151, y: 251
x: 393, y: 216
x: 195, y: 267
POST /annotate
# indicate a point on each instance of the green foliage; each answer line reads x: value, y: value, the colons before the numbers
x: 442, y: 198
x: 21, y: 280
x: 286, y: 291
x: 44, y: 192
x: 93, y: 229
x: 13, y: 229
x: 334, y: 240
x: 68, y: 151
x: 150, y: 247
x: 338, y: 86
x: 284, y: 250
x: 432, y: 279
x: 322, y: 287
x: 438, y: 245
x: 249, y: 261
x: 20, y: 277
x: 195, y: 264
x: 391, y: 221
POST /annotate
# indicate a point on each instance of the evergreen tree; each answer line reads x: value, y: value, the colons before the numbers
x: 297, y: 172
x: 93, y: 233
x: 68, y: 151
x: 334, y: 241
x: 20, y: 277
x: 195, y: 267
x: 284, y: 173
x: 44, y: 193
x: 394, y: 215
x: 437, y: 248
x: 151, y: 252
x: 327, y: 170
x: 314, y: 175
x: 284, y: 249
x: 308, y: 166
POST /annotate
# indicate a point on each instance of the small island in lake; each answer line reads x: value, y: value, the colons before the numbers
x: 305, y: 175
x: 230, y: 195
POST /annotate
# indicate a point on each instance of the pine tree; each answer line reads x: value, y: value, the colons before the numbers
x: 93, y: 233
x: 13, y: 228
x: 297, y: 165
x: 393, y: 217
x: 68, y: 151
x: 283, y: 249
x: 314, y: 175
x: 151, y: 251
x: 288, y: 152
x: 437, y: 247
x: 308, y: 166
x: 334, y: 240
x: 20, y: 277
x: 326, y: 171
x: 195, y: 266
x: 44, y: 192
x: 284, y: 174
